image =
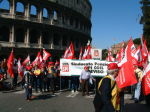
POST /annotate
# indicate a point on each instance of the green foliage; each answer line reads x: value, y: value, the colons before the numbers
x: 137, y: 41
x: 104, y: 54
x: 145, y: 20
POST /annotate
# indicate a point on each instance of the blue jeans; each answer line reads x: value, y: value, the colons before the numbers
x: 28, y: 93
x: 74, y: 83
x: 137, y: 92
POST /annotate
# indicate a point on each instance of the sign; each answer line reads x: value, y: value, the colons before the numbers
x: 96, y: 54
x: 74, y: 67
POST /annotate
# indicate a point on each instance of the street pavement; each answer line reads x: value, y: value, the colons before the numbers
x: 63, y: 101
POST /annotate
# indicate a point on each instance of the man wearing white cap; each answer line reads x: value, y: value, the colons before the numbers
x: 108, y: 93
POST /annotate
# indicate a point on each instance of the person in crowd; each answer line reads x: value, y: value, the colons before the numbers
x: 137, y: 91
x: 50, y: 77
x: 38, y: 78
x: 107, y: 99
x: 4, y: 68
x: 84, y: 80
x: 15, y: 78
x: 57, y: 74
x: 28, y: 78
x: 1, y: 77
x: 44, y: 77
x: 74, y: 83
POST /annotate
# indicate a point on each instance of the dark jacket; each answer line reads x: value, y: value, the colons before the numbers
x: 28, y: 78
x: 105, y: 90
x: 102, y: 100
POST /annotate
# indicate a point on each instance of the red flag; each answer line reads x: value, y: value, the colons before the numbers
x: 20, y: 68
x: 69, y: 53
x: 137, y: 58
x: 80, y: 55
x: 144, y: 53
x: 120, y: 54
x: 87, y: 53
x: 45, y: 55
x: 38, y: 59
x: 146, y: 80
x: 132, y: 53
x: 110, y: 57
x: 126, y: 75
x: 10, y: 63
x: 26, y: 61
x: 149, y: 57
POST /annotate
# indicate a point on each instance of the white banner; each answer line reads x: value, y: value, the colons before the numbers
x: 74, y: 67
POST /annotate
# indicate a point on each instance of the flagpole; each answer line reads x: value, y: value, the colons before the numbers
x: 60, y: 83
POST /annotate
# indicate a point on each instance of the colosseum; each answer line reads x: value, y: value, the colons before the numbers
x: 27, y: 26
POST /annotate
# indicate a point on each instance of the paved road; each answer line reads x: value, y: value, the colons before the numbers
x: 62, y: 102
x: 13, y: 101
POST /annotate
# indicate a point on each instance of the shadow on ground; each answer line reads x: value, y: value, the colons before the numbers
x: 134, y: 107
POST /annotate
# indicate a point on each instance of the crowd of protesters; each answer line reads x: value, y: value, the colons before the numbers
x: 42, y: 78
x: 45, y: 78
x: 3, y: 72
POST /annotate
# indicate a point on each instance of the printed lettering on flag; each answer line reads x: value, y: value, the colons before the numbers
x: 69, y: 52
x: 126, y: 75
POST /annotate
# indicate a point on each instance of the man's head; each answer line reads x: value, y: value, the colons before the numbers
x: 112, y: 69
x: 86, y: 68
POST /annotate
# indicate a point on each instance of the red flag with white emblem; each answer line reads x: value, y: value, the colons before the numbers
x: 87, y: 53
x: 146, y: 80
x: 144, y: 53
x: 26, y: 61
x: 69, y: 52
x: 110, y: 57
x: 120, y: 55
x: 20, y: 68
x: 38, y: 59
x: 46, y: 55
x: 126, y: 75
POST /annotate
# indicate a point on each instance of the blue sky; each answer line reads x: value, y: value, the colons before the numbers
x: 114, y: 21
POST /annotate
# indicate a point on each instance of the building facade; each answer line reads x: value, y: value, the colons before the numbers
x: 30, y: 25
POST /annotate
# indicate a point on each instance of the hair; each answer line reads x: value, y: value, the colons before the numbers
x: 111, y: 72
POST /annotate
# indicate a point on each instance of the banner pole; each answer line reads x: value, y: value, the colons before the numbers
x: 95, y: 86
x: 60, y: 83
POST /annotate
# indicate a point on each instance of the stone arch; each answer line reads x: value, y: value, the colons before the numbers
x: 5, y: 4
x: 45, y: 13
x: 55, y: 15
x: 71, y: 21
x: 33, y: 10
x: 4, y: 33
x: 20, y: 7
x: 34, y: 36
x: 76, y: 23
x: 45, y: 39
x: 20, y: 35
x: 64, y: 40
x: 56, y: 39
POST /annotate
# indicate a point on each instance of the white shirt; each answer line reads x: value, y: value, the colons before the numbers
x: 85, y: 75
